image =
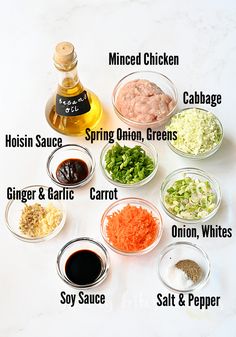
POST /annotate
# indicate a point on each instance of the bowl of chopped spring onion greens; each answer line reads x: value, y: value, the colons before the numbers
x: 199, y: 133
x: 190, y: 195
x: 129, y: 164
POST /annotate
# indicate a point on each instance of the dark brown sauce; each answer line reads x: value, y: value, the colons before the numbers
x: 72, y: 171
x: 83, y: 267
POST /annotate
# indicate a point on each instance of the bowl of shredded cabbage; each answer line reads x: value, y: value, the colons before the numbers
x: 190, y: 195
x: 199, y: 133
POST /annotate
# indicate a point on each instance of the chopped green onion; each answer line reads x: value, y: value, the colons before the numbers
x: 128, y: 165
x: 190, y: 198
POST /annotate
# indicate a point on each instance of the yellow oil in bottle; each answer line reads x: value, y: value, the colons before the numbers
x: 69, y: 86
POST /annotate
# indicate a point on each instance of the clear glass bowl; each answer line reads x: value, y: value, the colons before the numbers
x: 176, y: 252
x: 149, y: 150
x: 200, y: 155
x: 15, y: 207
x: 70, y: 151
x: 195, y: 174
x: 161, y: 81
x: 120, y: 204
x: 80, y: 244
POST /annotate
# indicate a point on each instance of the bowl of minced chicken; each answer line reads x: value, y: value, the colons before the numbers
x: 144, y: 99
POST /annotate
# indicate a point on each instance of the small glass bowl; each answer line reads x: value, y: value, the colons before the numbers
x: 149, y: 150
x: 195, y: 174
x: 200, y: 155
x: 15, y: 207
x: 120, y: 204
x: 161, y: 81
x: 80, y: 244
x: 182, y: 251
x: 70, y: 151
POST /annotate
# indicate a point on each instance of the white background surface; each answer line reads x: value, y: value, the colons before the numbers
x: 203, y: 34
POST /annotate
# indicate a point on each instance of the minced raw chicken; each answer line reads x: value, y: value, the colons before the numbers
x: 143, y: 101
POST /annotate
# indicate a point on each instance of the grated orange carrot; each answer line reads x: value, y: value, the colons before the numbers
x: 132, y: 228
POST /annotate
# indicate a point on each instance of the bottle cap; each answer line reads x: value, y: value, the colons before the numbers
x: 65, y: 56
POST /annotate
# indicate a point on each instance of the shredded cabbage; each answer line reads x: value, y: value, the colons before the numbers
x: 198, y: 131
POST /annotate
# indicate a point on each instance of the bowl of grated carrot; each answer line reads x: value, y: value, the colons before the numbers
x: 131, y: 226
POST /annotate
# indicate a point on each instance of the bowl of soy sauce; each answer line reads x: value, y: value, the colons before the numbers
x: 71, y: 166
x: 83, y: 263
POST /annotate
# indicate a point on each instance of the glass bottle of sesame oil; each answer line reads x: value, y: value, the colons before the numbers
x: 73, y: 108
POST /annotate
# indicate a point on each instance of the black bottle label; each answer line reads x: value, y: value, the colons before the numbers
x: 72, y: 106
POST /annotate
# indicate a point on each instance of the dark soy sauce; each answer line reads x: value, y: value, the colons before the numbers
x: 83, y: 267
x: 72, y: 171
